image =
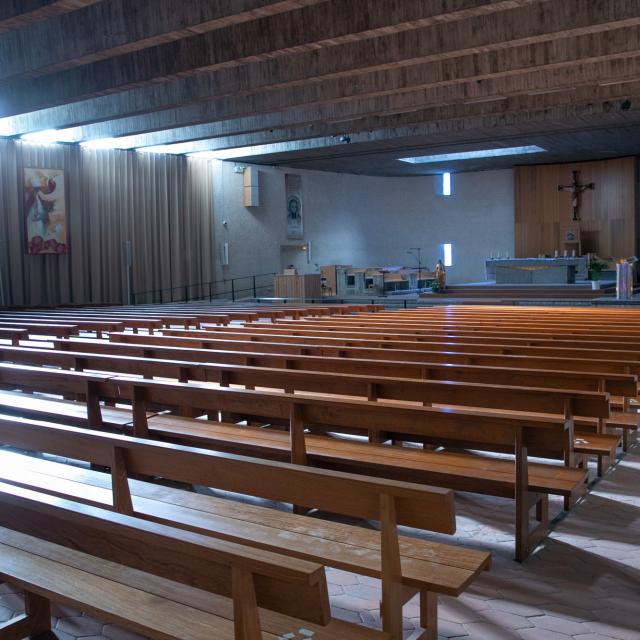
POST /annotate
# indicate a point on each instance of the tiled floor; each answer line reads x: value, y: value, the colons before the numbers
x: 583, y: 583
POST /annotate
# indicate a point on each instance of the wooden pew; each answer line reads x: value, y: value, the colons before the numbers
x: 429, y: 392
x: 135, y: 321
x: 517, y: 373
x: 42, y: 328
x: 513, y: 323
x: 101, y: 324
x: 141, y: 574
x: 405, y: 333
x: 462, y: 428
x: 535, y: 357
x: 410, y: 327
x: 15, y: 334
x: 435, y: 365
x: 620, y: 352
x: 428, y: 567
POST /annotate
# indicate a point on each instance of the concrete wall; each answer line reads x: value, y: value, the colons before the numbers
x: 365, y: 221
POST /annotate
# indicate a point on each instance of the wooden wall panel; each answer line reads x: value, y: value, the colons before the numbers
x: 608, y: 214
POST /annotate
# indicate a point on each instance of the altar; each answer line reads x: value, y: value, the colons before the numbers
x: 537, y: 270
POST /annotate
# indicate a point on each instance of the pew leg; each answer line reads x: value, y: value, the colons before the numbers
x: 527, y: 538
x: 429, y: 615
x: 625, y: 440
x: 542, y: 512
x: 35, y: 623
x: 300, y: 510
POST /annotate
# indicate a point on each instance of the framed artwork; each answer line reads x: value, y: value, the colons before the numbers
x: 293, y: 189
x: 45, y: 211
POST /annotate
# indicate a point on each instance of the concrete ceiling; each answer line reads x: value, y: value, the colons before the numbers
x: 339, y: 85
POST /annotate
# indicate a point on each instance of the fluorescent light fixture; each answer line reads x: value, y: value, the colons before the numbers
x: 447, y: 250
x: 446, y: 184
x: 469, y: 155
x: 48, y: 136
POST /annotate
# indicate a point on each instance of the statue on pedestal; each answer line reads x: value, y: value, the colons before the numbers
x: 441, y: 275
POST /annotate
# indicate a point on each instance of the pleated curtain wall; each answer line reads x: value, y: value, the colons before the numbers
x: 163, y: 204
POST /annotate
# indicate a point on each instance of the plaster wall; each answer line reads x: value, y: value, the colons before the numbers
x: 364, y: 221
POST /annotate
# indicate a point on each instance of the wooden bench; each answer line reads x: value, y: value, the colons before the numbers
x: 356, y: 324
x: 426, y: 567
x: 42, y: 328
x: 584, y: 362
x: 595, y: 352
x: 100, y: 324
x: 507, y: 370
x: 413, y: 351
x: 153, y: 578
x: 432, y: 325
x: 424, y: 335
x: 587, y: 405
x: 530, y: 484
x: 135, y: 321
x: 14, y: 334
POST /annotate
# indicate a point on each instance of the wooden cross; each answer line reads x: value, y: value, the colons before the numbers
x: 575, y: 188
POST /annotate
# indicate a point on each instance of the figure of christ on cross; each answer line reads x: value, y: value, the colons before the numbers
x: 575, y: 188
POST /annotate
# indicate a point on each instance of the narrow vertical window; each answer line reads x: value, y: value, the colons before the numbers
x: 448, y: 254
x: 446, y: 184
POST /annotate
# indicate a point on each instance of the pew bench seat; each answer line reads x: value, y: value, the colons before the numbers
x: 69, y: 411
x: 626, y: 422
x: 602, y: 446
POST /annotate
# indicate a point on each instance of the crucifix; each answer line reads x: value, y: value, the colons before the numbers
x: 575, y: 188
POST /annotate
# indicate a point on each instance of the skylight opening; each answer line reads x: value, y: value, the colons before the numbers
x: 159, y: 148
x: 470, y: 155
x: 101, y: 143
x: 48, y: 136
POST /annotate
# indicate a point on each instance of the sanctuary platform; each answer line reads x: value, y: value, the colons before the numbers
x: 507, y: 293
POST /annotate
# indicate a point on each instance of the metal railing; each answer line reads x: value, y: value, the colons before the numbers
x: 232, y: 288
x: 390, y: 303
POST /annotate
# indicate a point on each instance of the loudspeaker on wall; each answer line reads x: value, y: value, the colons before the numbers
x: 251, y: 188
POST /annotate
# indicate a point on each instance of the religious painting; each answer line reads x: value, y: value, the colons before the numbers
x: 45, y: 211
x: 293, y: 190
